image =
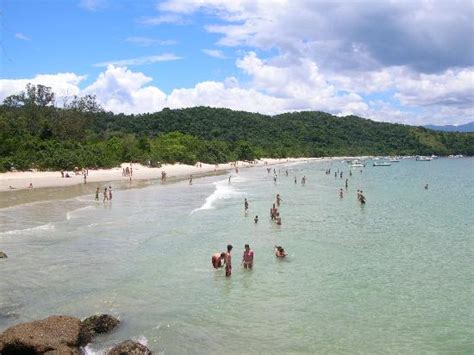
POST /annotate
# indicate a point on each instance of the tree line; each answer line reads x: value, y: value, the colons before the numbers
x: 36, y: 134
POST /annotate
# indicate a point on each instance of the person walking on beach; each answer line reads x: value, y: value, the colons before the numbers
x: 106, y: 197
x: 228, y: 261
x: 110, y: 193
x: 217, y: 260
x: 247, y: 258
x: 97, y: 191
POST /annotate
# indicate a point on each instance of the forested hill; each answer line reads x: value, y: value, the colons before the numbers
x: 35, y: 134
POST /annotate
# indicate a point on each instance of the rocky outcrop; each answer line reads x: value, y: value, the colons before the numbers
x: 99, y: 324
x: 129, y: 347
x: 55, y: 334
x: 3, y: 255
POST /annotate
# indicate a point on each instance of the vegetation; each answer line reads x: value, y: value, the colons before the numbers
x: 36, y: 134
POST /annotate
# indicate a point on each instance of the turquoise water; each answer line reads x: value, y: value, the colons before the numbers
x: 395, y: 275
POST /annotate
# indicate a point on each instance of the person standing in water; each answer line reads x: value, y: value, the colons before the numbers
x: 341, y: 194
x: 347, y: 183
x: 246, y: 205
x: 255, y: 219
x: 296, y: 181
x: 110, y: 193
x: 426, y: 187
x: 97, y: 192
x: 228, y: 261
x: 280, y: 252
x: 278, y: 199
x: 247, y: 258
x: 106, y: 197
x: 190, y: 179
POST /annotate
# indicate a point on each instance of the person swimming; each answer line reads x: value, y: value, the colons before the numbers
x: 280, y: 252
x: 217, y: 260
x: 255, y: 219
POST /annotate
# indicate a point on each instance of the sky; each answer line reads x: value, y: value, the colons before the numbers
x: 409, y: 62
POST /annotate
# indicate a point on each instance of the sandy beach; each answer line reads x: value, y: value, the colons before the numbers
x: 12, y: 181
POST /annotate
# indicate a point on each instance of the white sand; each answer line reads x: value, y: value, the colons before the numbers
x: 22, y: 180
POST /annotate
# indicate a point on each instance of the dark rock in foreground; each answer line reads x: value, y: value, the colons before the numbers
x: 3, y: 255
x: 55, y: 334
x: 99, y: 324
x: 129, y: 347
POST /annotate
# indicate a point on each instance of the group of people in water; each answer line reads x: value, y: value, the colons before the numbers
x: 107, y: 194
x: 224, y: 259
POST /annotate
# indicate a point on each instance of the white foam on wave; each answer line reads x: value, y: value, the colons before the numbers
x: 43, y: 227
x: 71, y: 214
x: 223, y: 191
x: 88, y: 350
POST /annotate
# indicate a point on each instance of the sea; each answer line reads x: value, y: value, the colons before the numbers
x: 395, y: 275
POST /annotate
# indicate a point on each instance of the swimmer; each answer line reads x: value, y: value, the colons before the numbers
x: 255, y: 219
x: 247, y: 257
x: 217, y: 260
x: 347, y: 183
x: 278, y: 199
x: 296, y: 181
x: 228, y: 261
x: 280, y: 252
x: 426, y: 187
x: 341, y: 194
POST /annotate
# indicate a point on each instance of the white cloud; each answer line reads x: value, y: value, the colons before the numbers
x: 140, y: 60
x: 148, y: 42
x: 22, y: 37
x: 216, y: 53
x: 92, y: 5
x: 62, y: 84
x: 121, y: 90
x: 162, y: 19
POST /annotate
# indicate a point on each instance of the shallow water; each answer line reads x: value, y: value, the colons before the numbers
x: 394, y: 275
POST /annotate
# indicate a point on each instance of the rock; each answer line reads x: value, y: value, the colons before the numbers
x: 3, y: 255
x: 99, y: 324
x: 129, y: 347
x: 53, y: 335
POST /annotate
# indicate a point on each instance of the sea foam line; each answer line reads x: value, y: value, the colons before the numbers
x: 71, y: 214
x: 223, y: 191
x: 43, y: 227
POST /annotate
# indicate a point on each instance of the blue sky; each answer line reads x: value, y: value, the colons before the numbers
x: 409, y: 62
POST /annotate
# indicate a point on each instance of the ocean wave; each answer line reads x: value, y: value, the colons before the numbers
x: 223, y: 191
x: 44, y: 227
x: 71, y: 214
x: 89, y: 350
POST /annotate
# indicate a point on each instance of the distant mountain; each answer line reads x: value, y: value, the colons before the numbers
x: 468, y: 127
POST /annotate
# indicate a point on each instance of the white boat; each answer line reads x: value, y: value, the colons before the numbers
x: 357, y: 164
x: 395, y: 160
x: 422, y: 158
x: 382, y: 163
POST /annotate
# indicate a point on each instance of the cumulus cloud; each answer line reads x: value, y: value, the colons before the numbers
x: 62, y: 84
x: 140, y: 60
x: 427, y: 36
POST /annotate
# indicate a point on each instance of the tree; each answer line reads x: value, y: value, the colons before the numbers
x: 34, y: 95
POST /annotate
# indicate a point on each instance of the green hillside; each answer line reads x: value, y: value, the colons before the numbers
x: 35, y: 134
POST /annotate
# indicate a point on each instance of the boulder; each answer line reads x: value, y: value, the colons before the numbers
x: 3, y: 255
x: 53, y: 335
x: 99, y: 324
x: 129, y: 347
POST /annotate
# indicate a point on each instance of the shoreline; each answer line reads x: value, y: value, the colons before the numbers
x: 20, y: 181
